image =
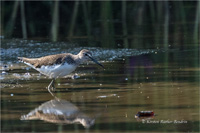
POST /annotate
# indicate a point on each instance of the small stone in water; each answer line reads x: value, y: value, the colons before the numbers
x: 3, y: 73
x: 11, y: 95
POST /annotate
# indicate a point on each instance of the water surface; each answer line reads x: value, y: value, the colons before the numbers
x: 163, y: 81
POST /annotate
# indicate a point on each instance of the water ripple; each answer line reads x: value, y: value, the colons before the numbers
x: 15, y: 48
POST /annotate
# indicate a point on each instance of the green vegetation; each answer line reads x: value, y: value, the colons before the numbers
x: 115, y: 24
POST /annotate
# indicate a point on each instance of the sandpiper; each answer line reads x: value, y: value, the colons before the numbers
x: 59, y: 65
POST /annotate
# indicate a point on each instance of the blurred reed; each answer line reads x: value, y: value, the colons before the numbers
x: 114, y: 24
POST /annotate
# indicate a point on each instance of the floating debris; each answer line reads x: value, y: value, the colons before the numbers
x: 4, y: 73
x: 144, y: 114
x: 28, y: 68
x: 16, y: 75
x: 105, y: 96
x: 22, y: 76
x: 27, y: 75
x: 75, y: 76
x: 101, y: 96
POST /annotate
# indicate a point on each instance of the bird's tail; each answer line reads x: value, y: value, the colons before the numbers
x: 31, y: 62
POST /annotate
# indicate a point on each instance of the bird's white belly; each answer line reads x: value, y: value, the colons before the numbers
x: 57, y: 71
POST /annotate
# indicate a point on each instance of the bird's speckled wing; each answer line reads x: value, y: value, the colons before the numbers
x: 48, y: 60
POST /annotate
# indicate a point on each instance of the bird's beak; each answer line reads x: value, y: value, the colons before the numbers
x: 95, y: 61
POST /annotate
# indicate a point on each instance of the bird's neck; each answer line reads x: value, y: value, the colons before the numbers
x: 78, y: 59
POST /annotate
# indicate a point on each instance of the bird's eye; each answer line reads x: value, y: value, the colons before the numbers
x: 86, y: 54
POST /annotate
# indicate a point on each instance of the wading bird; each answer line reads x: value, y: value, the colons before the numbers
x: 59, y: 65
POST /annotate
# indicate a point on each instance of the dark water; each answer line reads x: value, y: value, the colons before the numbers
x: 97, y: 100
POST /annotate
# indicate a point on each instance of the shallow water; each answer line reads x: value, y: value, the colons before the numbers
x: 163, y: 81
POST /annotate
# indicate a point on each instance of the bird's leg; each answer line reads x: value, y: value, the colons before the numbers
x: 51, y: 85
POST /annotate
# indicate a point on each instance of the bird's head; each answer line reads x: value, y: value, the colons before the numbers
x: 86, y: 55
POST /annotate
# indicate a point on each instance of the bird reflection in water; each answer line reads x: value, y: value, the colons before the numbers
x: 59, y: 111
